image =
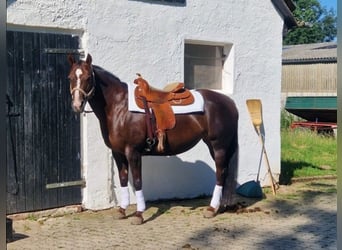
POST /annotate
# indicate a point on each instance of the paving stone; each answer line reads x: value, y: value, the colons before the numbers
x: 281, y: 222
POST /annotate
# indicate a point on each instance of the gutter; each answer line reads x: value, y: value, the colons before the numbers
x: 283, y: 6
x: 309, y: 61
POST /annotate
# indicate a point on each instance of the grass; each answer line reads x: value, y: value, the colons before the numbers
x: 305, y: 153
x: 32, y: 217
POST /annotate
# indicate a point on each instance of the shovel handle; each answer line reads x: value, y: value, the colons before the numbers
x: 267, y: 161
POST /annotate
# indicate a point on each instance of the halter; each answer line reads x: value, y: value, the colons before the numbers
x: 86, y: 95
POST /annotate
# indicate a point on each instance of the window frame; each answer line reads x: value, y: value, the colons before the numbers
x: 227, y: 72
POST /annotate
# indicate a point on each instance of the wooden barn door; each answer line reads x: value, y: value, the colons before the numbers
x: 43, y: 134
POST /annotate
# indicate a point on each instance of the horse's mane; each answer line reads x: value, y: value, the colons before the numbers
x: 105, y: 76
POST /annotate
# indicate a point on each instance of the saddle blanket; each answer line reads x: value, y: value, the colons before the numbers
x: 197, y: 106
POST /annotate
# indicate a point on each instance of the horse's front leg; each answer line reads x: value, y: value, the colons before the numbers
x: 134, y: 161
x: 122, y: 165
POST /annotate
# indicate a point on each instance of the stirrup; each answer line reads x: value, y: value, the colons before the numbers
x: 150, y: 143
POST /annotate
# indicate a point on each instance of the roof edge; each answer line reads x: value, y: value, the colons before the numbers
x: 285, y: 7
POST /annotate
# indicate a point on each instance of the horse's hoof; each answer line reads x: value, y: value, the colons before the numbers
x: 137, y: 219
x: 120, y: 214
x: 209, y: 213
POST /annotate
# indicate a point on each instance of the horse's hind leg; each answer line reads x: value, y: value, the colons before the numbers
x: 220, y: 160
x: 226, y: 172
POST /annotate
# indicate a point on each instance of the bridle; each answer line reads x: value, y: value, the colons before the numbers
x: 91, y: 92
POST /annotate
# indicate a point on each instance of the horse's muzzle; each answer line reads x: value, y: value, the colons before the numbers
x: 78, y: 107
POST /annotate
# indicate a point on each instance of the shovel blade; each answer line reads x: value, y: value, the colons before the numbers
x: 250, y: 189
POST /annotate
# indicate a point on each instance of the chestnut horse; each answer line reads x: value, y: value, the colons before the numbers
x: 125, y: 132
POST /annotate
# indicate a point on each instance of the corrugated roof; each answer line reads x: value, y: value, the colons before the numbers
x: 315, y: 52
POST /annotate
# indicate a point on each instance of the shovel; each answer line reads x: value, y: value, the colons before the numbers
x: 255, y: 110
x: 251, y: 189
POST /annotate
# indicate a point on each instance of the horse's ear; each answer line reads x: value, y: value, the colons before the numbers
x: 71, y: 59
x: 89, y: 59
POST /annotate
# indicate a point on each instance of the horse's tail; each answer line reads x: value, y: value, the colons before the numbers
x: 230, y: 174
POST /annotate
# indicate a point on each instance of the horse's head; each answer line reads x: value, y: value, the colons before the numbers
x: 82, y: 82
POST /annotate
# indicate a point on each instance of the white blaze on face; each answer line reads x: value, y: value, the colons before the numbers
x: 77, y: 101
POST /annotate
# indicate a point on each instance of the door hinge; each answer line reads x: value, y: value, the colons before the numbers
x: 81, y: 183
x: 64, y: 51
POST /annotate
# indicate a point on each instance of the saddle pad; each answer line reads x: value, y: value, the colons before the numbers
x: 197, y: 106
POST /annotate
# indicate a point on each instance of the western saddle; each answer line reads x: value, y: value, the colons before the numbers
x: 160, y: 102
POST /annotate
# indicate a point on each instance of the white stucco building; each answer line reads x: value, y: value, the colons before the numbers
x: 150, y: 37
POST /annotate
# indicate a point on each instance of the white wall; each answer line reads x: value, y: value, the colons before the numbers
x: 128, y: 36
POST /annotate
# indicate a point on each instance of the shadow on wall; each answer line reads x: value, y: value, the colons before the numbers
x: 171, y: 177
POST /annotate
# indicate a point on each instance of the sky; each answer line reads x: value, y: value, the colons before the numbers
x: 328, y: 4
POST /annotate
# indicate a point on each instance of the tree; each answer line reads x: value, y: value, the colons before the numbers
x: 315, y: 24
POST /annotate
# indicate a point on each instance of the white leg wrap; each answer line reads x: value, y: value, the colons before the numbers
x: 217, y: 195
x: 124, y: 197
x: 140, y: 201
